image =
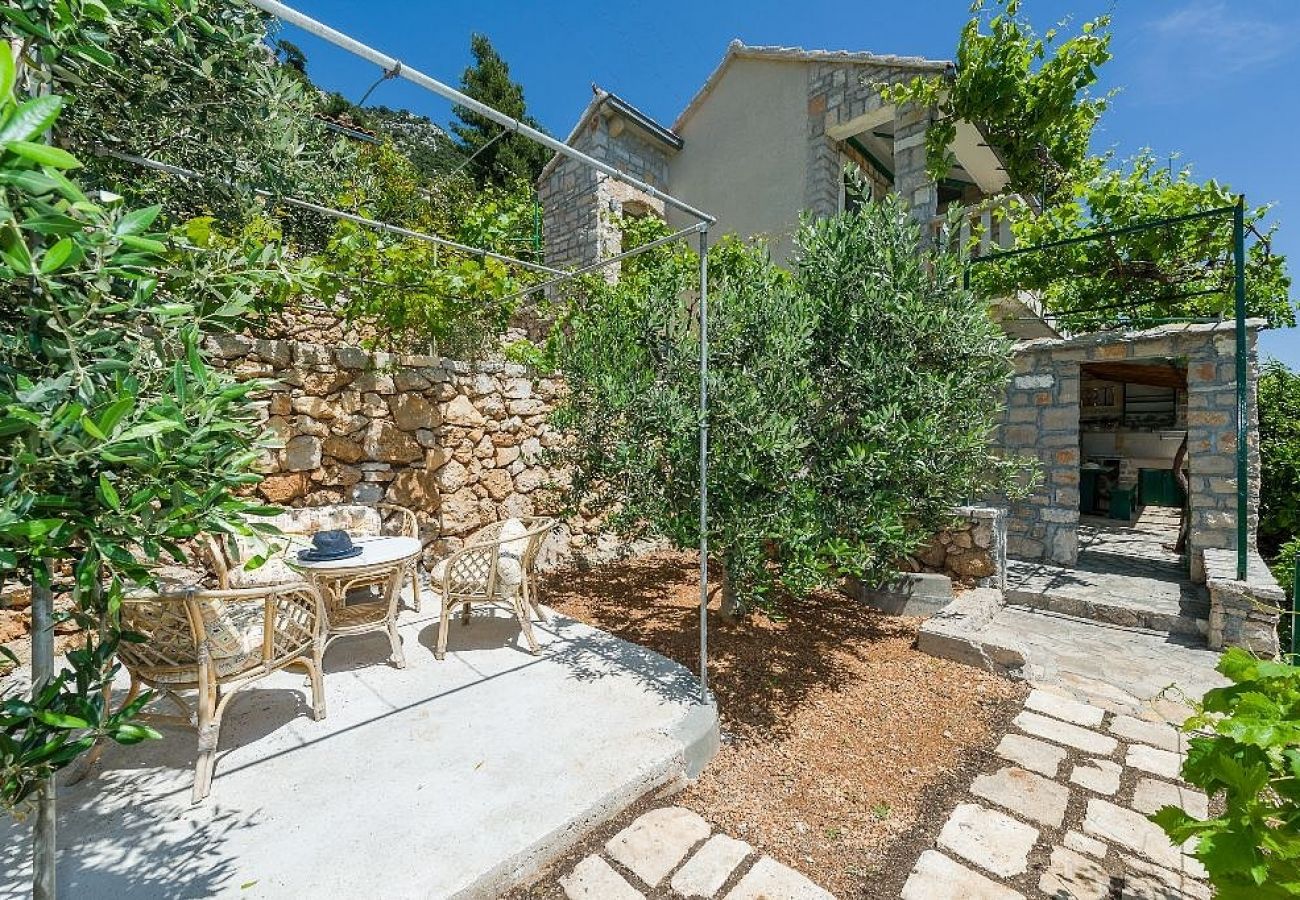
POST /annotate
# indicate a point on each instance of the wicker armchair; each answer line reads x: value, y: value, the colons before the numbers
x: 496, y: 564
x: 217, y: 643
x: 296, y: 527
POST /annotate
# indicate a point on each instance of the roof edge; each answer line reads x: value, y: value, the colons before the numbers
x: 737, y: 49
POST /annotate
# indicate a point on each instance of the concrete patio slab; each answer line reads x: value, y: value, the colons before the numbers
x: 444, y: 779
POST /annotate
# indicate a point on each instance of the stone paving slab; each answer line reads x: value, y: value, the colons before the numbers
x: 674, y: 841
x: 1064, y: 708
x: 595, y: 879
x: 935, y: 875
x: 1029, y: 796
x: 991, y: 840
x: 653, y: 845
x: 769, y: 880
x: 1032, y: 754
x: 1154, y: 760
x: 1150, y: 795
x: 708, y: 870
x: 1064, y: 733
x: 1100, y: 847
x: 1098, y: 775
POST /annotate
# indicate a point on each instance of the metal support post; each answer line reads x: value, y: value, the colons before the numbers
x: 704, y: 465
x: 1243, y: 473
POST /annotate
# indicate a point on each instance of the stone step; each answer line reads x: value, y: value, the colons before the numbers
x: 1168, y: 607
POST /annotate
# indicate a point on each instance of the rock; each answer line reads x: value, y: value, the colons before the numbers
x: 376, y: 382
x: 595, y: 879
x: 932, y: 555
x: 1073, y: 875
x: 416, y: 489
x: 14, y: 624
x: 339, y: 474
x: 1157, y: 762
x: 462, y: 413
x: 367, y: 492
x: 353, y: 358
x: 411, y: 411
x: 935, y: 876
x: 1035, y: 755
x: 1027, y: 795
x: 971, y: 564
x: 708, y: 870
x: 1161, y: 735
x: 321, y: 384
x: 497, y: 483
x: 406, y: 380
x: 517, y: 506
x: 1064, y: 733
x: 342, y: 449
x: 1065, y: 709
x: 386, y: 442
x: 1099, y: 775
x: 530, y: 480
x: 280, y: 404
x: 1084, y: 844
x: 657, y: 841
x: 302, y: 453
x: 1150, y: 795
x: 452, y: 477
x: 531, y: 449
x: 769, y: 880
x: 506, y: 455
x: 309, y: 426
x: 1135, y: 832
x: 426, y: 437
x: 315, y: 407
x: 281, y: 489
x: 462, y: 512
x: 435, y: 458
x: 989, y: 839
x: 962, y: 539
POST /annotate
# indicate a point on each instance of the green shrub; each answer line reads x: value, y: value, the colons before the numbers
x: 851, y: 401
x: 1249, y: 759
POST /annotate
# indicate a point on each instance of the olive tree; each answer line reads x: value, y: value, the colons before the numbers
x: 852, y: 401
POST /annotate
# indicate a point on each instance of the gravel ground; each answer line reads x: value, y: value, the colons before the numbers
x: 844, y: 747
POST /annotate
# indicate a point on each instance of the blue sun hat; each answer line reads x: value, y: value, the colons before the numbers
x: 328, y: 546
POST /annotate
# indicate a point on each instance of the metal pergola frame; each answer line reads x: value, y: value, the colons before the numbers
x: 1238, y: 213
x: 393, y: 67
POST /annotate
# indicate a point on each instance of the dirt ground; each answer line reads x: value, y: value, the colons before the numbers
x: 843, y: 746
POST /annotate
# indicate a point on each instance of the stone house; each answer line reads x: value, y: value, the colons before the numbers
x: 783, y: 122
x: 767, y: 138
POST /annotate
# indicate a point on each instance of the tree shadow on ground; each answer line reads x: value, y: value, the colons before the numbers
x: 760, y: 669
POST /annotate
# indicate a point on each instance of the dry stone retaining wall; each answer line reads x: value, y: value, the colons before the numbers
x: 461, y: 446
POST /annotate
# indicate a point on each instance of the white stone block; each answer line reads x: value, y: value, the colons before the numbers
x: 1134, y: 832
x: 935, y: 875
x: 1064, y: 708
x: 657, y: 841
x: 1099, y: 775
x: 1032, y: 754
x: 1150, y: 795
x: 1027, y: 795
x: 595, y: 879
x: 708, y: 870
x: 769, y: 880
x: 1166, y: 737
x: 989, y: 839
x: 1064, y: 733
x: 1153, y: 760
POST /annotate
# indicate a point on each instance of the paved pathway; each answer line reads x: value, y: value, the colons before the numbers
x: 1063, y: 812
x: 675, y: 848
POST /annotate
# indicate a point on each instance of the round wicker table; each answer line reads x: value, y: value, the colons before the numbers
x: 383, y: 564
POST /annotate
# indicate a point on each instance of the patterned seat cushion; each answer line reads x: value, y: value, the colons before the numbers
x: 233, y: 631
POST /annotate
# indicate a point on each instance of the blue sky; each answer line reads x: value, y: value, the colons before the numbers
x: 1211, y: 80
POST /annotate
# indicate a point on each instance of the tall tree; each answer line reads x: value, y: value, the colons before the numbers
x: 500, y: 158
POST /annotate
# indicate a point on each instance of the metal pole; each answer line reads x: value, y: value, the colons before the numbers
x: 704, y: 465
x: 388, y: 63
x: 43, y: 835
x: 1243, y: 475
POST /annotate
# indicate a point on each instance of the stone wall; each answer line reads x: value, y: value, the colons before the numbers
x: 839, y: 93
x: 581, y: 207
x: 973, y: 550
x: 461, y: 447
x: 1041, y: 421
x: 1242, y: 613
